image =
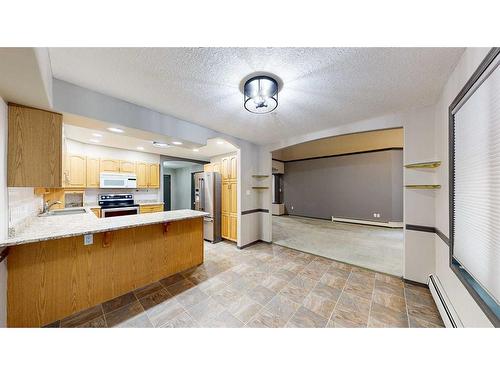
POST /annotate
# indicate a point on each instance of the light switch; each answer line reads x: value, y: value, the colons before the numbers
x: 88, y: 239
x: 248, y: 192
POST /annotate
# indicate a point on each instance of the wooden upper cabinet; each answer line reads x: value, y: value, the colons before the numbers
x: 127, y: 166
x: 212, y: 167
x: 233, y: 167
x: 93, y: 177
x: 224, y: 168
x: 229, y: 167
x: 142, y: 175
x: 34, y: 156
x: 110, y: 165
x: 154, y: 176
x: 75, y: 171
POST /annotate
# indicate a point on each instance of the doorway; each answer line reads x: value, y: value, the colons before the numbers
x: 342, y: 198
x: 167, y: 192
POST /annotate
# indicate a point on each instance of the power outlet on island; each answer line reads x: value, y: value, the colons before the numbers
x: 88, y: 239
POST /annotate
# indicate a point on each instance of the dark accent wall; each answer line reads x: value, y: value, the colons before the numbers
x: 351, y: 186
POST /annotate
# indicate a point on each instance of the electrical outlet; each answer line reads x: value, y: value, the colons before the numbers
x: 374, y: 214
x: 88, y: 239
x: 291, y: 207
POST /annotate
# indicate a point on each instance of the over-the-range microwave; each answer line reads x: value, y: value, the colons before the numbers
x: 118, y: 180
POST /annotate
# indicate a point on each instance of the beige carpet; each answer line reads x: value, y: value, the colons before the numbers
x: 376, y: 248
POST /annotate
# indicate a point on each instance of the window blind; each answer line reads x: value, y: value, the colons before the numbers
x: 477, y: 183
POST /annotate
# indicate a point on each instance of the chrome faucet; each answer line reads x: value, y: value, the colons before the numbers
x: 47, y: 205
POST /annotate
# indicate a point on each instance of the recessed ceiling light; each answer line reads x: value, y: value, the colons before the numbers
x: 97, y: 135
x: 95, y: 140
x: 116, y: 130
x: 140, y: 148
x: 160, y: 144
x: 177, y: 143
x: 220, y: 142
x: 195, y: 150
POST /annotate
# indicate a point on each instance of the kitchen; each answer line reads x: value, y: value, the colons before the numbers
x: 101, y: 197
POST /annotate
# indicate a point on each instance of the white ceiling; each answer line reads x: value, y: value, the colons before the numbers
x: 322, y: 87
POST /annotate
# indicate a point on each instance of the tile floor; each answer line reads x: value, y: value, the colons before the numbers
x: 267, y: 286
x: 376, y: 248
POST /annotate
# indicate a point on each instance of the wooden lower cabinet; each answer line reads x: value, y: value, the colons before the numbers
x: 145, y: 209
x: 233, y: 227
x: 51, y: 280
x: 225, y: 225
x: 229, y: 226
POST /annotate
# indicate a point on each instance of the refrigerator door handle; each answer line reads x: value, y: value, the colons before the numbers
x: 202, y: 194
x: 208, y: 219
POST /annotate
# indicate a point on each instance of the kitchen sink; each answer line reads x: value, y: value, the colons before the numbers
x: 67, y: 211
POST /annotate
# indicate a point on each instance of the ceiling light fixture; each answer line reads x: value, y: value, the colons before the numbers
x: 95, y: 140
x: 116, y: 130
x: 97, y: 135
x: 195, y: 150
x: 160, y: 144
x: 260, y: 94
x: 220, y: 142
x: 177, y: 143
x: 140, y: 148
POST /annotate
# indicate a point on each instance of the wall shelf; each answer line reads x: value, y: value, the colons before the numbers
x: 260, y: 187
x: 260, y: 175
x: 427, y: 164
x: 423, y: 187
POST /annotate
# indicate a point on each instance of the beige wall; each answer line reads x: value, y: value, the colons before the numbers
x: 343, y: 144
x: 467, y: 309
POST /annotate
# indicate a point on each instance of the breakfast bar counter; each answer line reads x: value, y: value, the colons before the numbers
x: 53, y: 272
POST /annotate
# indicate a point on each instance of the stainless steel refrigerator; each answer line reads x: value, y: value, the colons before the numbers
x: 207, y: 198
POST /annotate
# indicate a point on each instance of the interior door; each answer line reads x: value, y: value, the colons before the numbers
x: 167, y: 192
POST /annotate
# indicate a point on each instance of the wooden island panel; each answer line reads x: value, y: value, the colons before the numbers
x: 53, y: 279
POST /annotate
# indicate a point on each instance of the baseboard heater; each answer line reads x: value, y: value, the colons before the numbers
x: 389, y: 224
x: 448, y: 314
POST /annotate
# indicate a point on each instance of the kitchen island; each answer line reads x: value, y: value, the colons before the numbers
x: 52, y: 273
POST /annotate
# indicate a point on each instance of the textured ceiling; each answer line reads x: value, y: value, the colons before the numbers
x: 322, y: 87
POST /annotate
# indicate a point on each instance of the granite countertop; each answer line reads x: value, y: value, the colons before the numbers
x: 54, y: 227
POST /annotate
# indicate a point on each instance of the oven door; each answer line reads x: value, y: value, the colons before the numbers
x: 120, y: 211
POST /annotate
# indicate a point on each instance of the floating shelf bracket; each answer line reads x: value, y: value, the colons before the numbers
x: 423, y: 187
x: 427, y: 164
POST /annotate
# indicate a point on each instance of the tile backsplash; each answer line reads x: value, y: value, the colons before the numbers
x: 23, y: 205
